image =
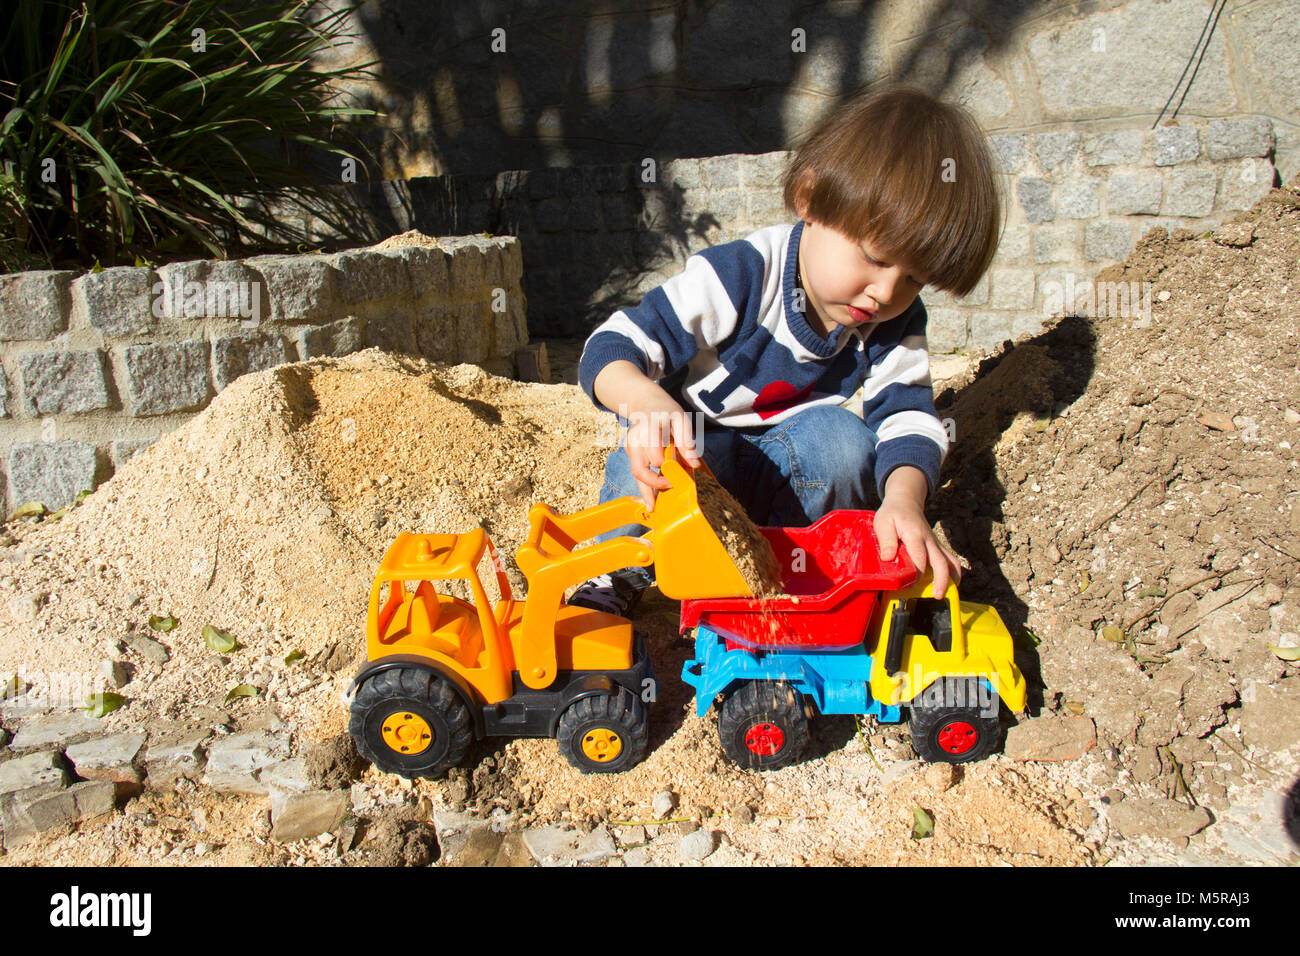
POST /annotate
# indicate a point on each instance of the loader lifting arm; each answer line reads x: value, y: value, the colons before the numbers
x: 689, y: 559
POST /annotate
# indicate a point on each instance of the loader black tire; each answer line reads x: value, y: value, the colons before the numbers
x: 948, y: 727
x: 411, y: 694
x: 763, y: 725
x: 604, y: 733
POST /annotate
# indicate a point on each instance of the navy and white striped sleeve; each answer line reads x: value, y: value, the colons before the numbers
x: 898, y: 405
x: 696, y: 309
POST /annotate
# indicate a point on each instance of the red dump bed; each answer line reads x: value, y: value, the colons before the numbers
x: 832, y: 576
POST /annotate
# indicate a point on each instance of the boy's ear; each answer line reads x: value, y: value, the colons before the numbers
x: 802, y: 192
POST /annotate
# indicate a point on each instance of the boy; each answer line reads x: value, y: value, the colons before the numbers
x: 765, y: 338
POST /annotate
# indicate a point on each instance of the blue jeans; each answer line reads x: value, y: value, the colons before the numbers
x: 785, y: 475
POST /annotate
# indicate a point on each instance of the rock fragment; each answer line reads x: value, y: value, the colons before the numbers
x: 148, y: 648
x: 308, y: 814
x: 1234, y: 234
x: 1050, y: 738
x: 552, y: 846
x: 663, y: 803
x: 174, y: 752
x: 114, y: 758
x: 696, y: 846
x: 1158, y: 817
x: 235, y: 763
x: 57, y: 729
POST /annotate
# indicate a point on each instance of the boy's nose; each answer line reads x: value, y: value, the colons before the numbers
x: 882, y: 288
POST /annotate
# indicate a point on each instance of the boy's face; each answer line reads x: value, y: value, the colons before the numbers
x: 851, y: 283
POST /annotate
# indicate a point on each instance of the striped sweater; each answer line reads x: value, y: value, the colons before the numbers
x: 726, y: 338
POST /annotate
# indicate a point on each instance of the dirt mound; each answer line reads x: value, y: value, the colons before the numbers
x: 1127, y: 485
x: 412, y: 237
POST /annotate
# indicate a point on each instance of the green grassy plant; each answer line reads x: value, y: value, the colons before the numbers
x: 147, y: 128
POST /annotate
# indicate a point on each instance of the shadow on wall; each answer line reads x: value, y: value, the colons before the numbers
x: 485, y: 87
x: 472, y: 90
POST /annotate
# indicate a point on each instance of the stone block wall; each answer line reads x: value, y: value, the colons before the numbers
x: 1077, y: 95
x: 598, y: 238
x: 95, y: 367
x: 1077, y: 202
x: 493, y: 85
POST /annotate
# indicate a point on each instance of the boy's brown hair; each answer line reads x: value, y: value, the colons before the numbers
x: 877, y: 167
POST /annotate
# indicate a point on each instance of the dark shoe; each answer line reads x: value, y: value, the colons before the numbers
x: 615, y: 593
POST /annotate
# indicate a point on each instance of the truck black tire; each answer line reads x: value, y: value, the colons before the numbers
x: 948, y: 725
x: 409, y: 721
x: 763, y: 726
x: 604, y: 733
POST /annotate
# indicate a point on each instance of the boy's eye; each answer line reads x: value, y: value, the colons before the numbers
x: 876, y: 262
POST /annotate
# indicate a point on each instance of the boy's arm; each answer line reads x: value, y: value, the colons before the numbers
x: 696, y: 309
x: 655, y: 421
x: 901, y: 517
x: 898, y: 406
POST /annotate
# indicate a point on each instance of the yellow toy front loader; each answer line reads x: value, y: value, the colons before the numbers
x: 442, y: 671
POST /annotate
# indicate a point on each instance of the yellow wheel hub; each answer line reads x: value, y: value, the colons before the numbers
x: 601, y: 745
x: 407, y: 733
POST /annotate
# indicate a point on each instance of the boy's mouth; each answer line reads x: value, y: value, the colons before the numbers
x: 860, y: 315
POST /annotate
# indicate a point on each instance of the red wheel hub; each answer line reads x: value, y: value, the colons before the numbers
x: 764, y: 739
x: 957, y: 737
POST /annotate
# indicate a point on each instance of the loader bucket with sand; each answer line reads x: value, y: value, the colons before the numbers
x: 690, y: 561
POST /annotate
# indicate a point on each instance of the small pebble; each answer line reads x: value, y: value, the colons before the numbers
x: 114, y: 672
x: 941, y: 776
x: 696, y: 846
x: 630, y: 836
x: 663, y: 804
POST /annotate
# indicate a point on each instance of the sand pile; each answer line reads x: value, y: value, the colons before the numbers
x: 266, y: 516
x: 412, y: 237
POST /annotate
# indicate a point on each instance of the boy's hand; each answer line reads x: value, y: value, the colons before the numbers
x: 901, y: 516
x: 655, y: 423
x: 654, y: 419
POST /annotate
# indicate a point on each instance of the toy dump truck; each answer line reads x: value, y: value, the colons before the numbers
x: 442, y: 671
x: 851, y: 635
